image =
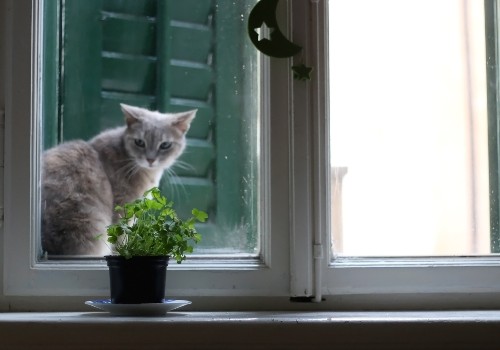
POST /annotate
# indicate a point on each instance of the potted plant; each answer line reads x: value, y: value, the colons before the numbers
x: 148, y: 233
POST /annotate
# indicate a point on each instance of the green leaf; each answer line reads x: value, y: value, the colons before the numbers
x: 150, y: 226
x: 201, y: 216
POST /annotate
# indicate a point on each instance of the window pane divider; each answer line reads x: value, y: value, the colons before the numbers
x: 310, y: 155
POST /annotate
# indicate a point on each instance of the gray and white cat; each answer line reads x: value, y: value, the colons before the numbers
x: 82, y: 182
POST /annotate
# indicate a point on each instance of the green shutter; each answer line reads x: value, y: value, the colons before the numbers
x: 206, y: 70
x: 237, y: 113
x: 82, y: 70
x: 109, y: 55
x: 186, y: 81
x: 172, y: 56
x: 120, y: 51
x: 51, y: 73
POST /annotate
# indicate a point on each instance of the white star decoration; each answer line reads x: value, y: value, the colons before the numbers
x: 264, y: 31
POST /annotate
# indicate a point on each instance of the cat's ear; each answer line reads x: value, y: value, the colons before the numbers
x: 183, y: 120
x: 131, y: 113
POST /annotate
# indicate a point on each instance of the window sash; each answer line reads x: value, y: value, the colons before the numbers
x: 418, y: 282
x: 266, y: 275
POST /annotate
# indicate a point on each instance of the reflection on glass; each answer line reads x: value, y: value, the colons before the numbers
x: 170, y: 56
x: 409, y: 134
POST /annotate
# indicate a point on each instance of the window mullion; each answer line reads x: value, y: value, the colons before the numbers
x: 310, y: 153
x: 301, y: 159
x: 320, y: 144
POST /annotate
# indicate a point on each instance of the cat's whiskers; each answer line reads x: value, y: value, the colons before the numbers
x: 175, y: 184
x: 129, y: 169
x: 183, y: 165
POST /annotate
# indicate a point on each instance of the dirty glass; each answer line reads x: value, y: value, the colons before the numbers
x: 171, y: 56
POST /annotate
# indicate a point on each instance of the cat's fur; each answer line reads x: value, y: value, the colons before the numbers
x: 82, y: 182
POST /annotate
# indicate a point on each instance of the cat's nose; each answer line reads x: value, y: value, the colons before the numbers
x: 150, y: 161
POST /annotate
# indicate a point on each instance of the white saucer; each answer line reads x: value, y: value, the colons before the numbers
x: 152, y: 309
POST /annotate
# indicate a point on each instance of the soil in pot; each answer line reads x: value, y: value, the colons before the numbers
x: 138, y: 280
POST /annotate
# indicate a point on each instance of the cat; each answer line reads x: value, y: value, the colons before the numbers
x: 82, y: 182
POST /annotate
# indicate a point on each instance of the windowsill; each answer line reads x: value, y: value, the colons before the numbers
x: 252, y: 330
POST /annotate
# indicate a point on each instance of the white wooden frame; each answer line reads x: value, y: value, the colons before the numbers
x: 25, y: 276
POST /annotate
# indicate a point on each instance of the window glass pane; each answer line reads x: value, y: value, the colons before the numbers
x: 409, y: 128
x: 171, y: 56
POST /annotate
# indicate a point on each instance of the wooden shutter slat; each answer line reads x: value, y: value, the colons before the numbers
x: 143, y: 7
x: 189, y: 193
x: 131, y: 36
x: 110, y: 106
x: 190, y: 80
x: 183, y: 38
x: 132, y: 74
x: 201, y: 127
x: 194, y: 11
x: 196, y: 159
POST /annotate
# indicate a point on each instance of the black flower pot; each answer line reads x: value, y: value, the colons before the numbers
x: 138, y: 280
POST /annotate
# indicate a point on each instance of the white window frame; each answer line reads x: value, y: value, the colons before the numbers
x: 25, y: 276
x: 398, y: 283
x: 296, y: 259
x: 357, y: 282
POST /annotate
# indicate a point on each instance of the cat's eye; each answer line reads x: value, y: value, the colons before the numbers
x: 165, y: 145
x: 140, y: 143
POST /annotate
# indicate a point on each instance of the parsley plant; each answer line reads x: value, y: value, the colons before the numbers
x: 149, y: 226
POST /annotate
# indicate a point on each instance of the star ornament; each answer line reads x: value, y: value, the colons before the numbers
x: 302, y: 72
x: 264, y: 31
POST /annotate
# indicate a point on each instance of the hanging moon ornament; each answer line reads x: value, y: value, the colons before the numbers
x: 265, y: 34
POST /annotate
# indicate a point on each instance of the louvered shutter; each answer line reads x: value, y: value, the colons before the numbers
x: 187, y: 79
x: 168, y: 55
